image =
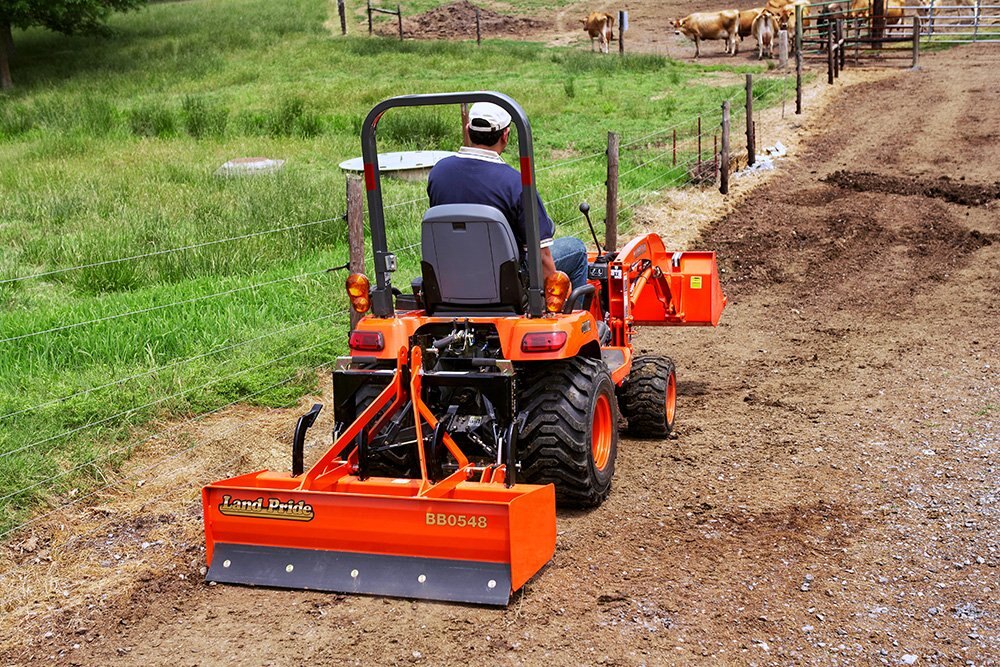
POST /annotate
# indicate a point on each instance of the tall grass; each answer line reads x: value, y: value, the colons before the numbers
x: 109, y: 147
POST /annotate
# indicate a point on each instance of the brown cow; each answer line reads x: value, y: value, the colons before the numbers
x: 723, y: 25
x: 895, y: 11
x: 746, y: 20
x: 600, y: 26
x: 765, y: 28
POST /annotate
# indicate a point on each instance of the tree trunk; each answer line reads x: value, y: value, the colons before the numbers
x: 6, y: 49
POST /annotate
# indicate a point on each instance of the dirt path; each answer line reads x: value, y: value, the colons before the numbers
x: 831, y: 495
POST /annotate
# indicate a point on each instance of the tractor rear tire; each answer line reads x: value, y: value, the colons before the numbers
x: 570, y: 437
x: 397, y: 462
x: 648, y: 396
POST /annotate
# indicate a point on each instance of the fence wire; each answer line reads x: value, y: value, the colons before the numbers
x: 168, y: 251
x: 125, y: 413
x: 151, y: 309
x: 137, y: 474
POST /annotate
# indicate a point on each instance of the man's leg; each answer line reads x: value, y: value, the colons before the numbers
x: 570, y: 256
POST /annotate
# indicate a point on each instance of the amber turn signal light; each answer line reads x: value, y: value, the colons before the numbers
x: 557, y: 289
x: 357, y: 290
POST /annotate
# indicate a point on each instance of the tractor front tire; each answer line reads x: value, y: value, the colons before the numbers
x: 648, y: 397
x: 570, y: 437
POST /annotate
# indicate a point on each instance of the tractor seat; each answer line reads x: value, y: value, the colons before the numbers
x: 470, y: 263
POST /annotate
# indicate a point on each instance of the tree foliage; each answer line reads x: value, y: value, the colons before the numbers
x: 69, y: 17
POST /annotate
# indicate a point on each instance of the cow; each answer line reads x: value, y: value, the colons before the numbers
x: 746, y: 20
x: 764, y: 28
x: 600, y: 26
x: 785, y: 13
x: 894, y: 11
x: 785, y: 17
x: 723, y: 25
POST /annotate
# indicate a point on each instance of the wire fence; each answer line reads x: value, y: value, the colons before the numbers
x: 685, y: 151
x: 141, y: 473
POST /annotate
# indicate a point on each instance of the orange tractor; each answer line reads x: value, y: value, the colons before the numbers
x: 467, y: 409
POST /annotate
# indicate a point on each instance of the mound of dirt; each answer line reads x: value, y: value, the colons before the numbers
x: 458, y: 21
x: 956, y: 192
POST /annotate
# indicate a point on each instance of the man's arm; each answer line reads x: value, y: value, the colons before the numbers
x: 548, y: 264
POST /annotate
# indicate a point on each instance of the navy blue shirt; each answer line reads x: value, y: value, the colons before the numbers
x: 482, y: 177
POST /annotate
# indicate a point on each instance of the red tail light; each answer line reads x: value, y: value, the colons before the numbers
x: 367, y: 341
x: 543, y: 341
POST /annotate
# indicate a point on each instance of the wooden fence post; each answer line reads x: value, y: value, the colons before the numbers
x: 399, y: 16
x: 751, y: 153
x: 465, y: 124
x: 798, y: 59
x: 356, y: 231
x: 798, y: 28
x: 829, y: 57
x: 611, y: 204
x: 878, y: 22
x: 916, y: 42
x: 724, y: 156
x: 621, y: 34
x: 479, y: 33
x: 369, y: 17
x: 343, y: 16
x: 783, y: 49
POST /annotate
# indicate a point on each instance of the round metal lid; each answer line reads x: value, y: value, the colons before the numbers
x: 402, y: 161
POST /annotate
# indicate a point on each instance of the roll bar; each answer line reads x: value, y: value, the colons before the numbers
x: 385, y: 262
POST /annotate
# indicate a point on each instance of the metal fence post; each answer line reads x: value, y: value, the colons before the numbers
x: 399, y: 16
x: 842, y: 40
x: 930, y: 19
x: 699, y: 143
x: 356, y: 231
x: 343, y: 16
x: 975, y: 29
x: 751, y: 153
x: 611, y: 202
x: 829, y: 57
x: 724, y: 154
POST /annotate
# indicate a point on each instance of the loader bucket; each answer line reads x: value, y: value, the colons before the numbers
x: 462, y: 541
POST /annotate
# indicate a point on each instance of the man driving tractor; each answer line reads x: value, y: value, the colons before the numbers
x: 478, y: 175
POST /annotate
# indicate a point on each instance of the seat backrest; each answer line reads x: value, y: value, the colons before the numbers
x: 470, y: 260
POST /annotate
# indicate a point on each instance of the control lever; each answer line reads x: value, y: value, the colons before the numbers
x: 585, y: 209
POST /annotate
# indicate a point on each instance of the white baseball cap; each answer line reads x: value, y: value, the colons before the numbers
x: 488, y: 117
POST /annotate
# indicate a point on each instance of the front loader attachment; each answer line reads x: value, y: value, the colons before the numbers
x: 469, y: 537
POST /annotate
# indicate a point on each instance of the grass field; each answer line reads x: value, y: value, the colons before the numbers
x: 108, y: 149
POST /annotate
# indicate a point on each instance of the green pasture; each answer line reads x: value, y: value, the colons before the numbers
x: 107, y: 151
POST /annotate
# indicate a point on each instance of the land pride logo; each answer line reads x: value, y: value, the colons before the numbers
x: 272, y: 508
